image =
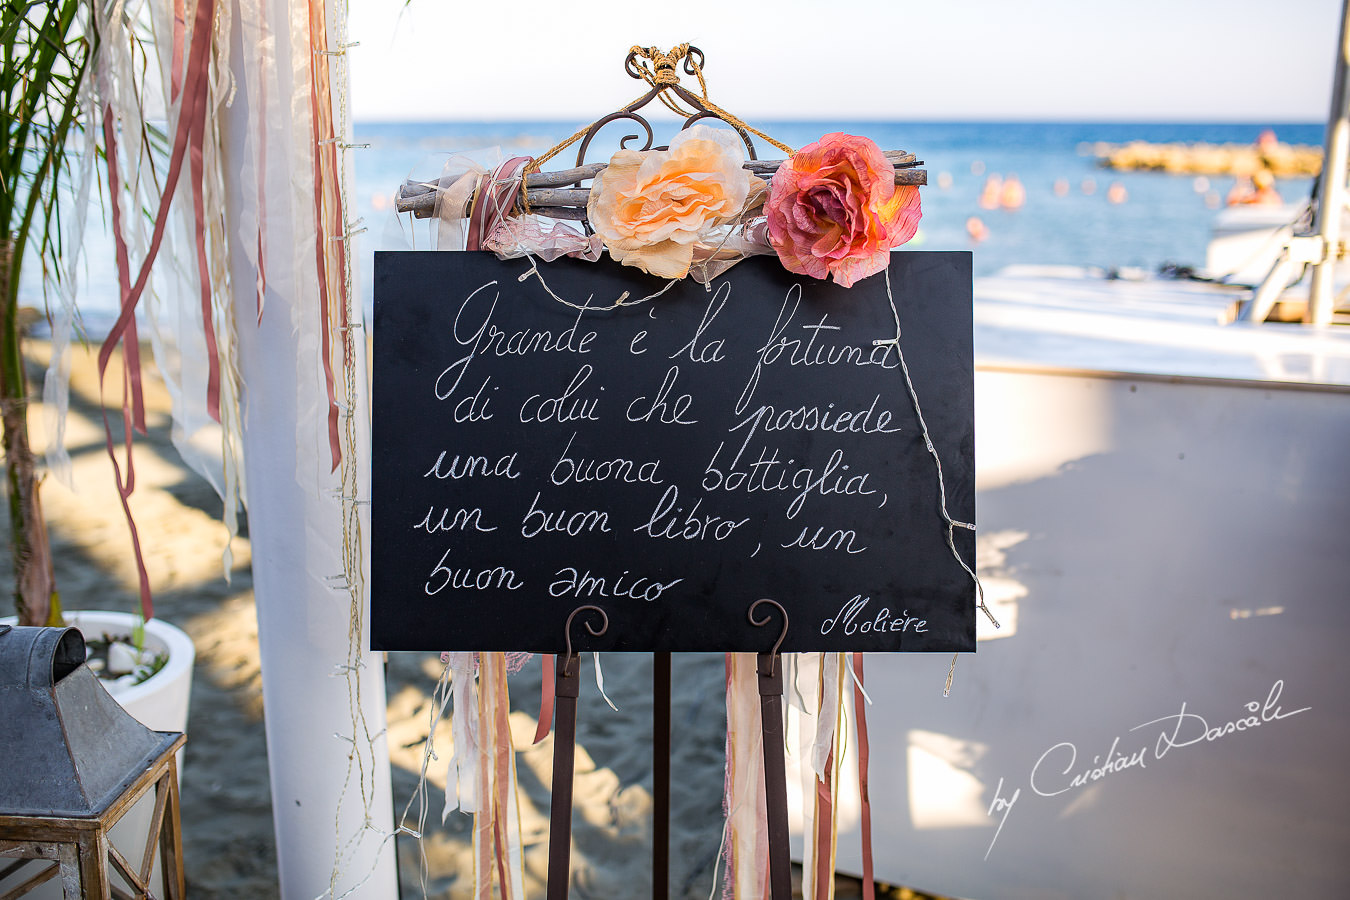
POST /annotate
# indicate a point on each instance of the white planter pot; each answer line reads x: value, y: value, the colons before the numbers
x: 160, y: 703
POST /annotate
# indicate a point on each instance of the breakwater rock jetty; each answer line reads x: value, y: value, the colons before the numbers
x: 1281, y: 160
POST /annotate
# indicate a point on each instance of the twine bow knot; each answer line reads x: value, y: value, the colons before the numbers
x: 658, y: 68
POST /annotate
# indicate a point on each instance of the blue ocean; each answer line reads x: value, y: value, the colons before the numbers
x: 1162, y: 218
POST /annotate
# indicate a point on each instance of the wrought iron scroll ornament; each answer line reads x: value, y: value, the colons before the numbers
x: 595, y: 632
x: 659, y: 70
x: 567, y: 687
x: 517, y: 210
x: 758, y: 622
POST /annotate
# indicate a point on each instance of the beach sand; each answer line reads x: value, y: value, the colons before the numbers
x: 229, y: 849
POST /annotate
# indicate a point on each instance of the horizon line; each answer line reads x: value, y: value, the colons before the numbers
x: 809, y: 120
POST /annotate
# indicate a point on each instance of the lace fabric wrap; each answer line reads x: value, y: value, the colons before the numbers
x: 476, y: 207
x: 747, y: 236
x: 549, y: 239
x: 473, y: 208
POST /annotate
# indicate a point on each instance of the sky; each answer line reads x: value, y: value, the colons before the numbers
x: 1036, y: 60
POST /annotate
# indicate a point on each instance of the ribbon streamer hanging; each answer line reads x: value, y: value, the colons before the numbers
x: 823, y: 699
x: 481, y: 777
x: 189, y: 137
x: 746, y: 838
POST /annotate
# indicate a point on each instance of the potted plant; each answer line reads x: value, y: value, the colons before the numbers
x: 49, y: 49
x: 45, y: 55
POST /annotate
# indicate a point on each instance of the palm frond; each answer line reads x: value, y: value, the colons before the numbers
x: 42, y: 69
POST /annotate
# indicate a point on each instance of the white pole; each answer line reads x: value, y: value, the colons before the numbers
x: 1331, y: 195
x: 295, y: 520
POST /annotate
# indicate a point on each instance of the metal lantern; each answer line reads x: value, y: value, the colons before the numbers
x: 72, y: 763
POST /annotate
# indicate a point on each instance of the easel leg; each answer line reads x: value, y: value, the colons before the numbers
x: 661, y: 775
x: 770, y: 670
x: 567, y: 687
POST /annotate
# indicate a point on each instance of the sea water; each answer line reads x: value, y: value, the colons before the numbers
x: 1163, y: 218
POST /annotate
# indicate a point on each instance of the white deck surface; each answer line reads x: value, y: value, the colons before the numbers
x: 1072, y: 318
x: 1154, y: 546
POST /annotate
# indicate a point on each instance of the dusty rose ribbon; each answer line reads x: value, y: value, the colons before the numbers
x: 859, y: 709
x: 204, y: 278
x: 131, y: 353
x: 548, y: 661
x: 483, y: 834
x: 191, y: 123
x: 493, y: 199
x: 124, y: 488
x: 176, y: 66
x: 501, y: 776
x: 824, y: 831
x: 325, y: 152
x: 501, y: 851
x: 746, y: 845
x: 493, y: 847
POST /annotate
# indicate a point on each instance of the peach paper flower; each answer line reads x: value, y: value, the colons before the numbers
x: 651, y: 207
x: 834, y: 210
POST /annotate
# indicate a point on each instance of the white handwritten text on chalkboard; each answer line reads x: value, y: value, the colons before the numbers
x: 672, y: 462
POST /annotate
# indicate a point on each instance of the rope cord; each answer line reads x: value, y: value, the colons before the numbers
x: 440, y: 699
x: 361, y: 761
x: 622, y: 299
x: 664, y: 74
x: 951, y: 524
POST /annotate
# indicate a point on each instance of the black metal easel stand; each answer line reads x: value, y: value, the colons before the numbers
x: 567, y: 687
x: 770, y: 669
x: 566, y: 690
x: 661, y: 775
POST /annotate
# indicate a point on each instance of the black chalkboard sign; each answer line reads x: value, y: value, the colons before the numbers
x: 670, y: 461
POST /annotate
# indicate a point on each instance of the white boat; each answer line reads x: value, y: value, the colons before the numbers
x: 1163, y: 501
x: 1246, y: 240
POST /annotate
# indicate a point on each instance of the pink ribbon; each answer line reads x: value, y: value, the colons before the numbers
x: 493, y: 200
x: 325, y: 151
x: 189, y: 135
x: 824, y: 830
x: 501, y: 776
x: 859, y: 705
x: 176, y: 66
x: 545, y: 697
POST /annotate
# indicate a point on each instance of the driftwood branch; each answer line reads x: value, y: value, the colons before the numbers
x: 549, y: 194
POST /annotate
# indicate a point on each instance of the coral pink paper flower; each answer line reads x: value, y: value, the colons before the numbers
x: 652, y: 207
x: 834, y: 210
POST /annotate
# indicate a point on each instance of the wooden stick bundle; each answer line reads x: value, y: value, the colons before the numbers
x: 549, y: 194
